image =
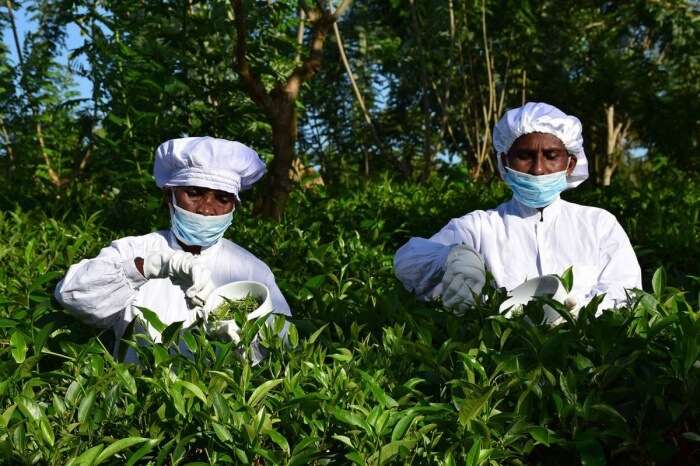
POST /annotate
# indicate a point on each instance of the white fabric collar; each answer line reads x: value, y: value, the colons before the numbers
x: 548, y: 214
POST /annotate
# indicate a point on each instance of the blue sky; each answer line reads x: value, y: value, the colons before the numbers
x: 73, y: 41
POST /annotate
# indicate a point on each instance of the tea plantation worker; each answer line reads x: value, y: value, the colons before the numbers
x: 539, y: 153
x: 172, y: 272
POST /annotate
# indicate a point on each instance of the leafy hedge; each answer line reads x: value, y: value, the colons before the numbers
x: 370, y: 376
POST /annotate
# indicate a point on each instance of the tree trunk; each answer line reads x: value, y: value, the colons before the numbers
x: 278, y: 183
x: 608, y: 171
x: 278, y: 105
x: 616, y: 136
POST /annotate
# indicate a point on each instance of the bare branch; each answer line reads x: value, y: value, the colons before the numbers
x: 344, y: 5
x: 13, y: 25
x: 300, y: 36
x: 312, y: 63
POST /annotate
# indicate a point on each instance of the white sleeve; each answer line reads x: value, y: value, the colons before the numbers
x: 621, y: 269
x: 419, y: 264
x: 98, y: 290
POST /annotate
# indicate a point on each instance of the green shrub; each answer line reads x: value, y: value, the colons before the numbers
x: 368, y: 375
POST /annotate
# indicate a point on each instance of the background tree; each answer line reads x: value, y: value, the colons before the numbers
x: 279, y: 102
x: 406, y: 89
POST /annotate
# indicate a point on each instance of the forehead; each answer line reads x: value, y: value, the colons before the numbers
x: 537, y: 141
x: 203, y: 190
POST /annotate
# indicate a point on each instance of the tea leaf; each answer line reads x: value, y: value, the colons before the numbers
x: 118, y: 446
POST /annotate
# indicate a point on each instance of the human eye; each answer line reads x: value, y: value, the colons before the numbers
x: 224, y: 198
x: 193, y: 191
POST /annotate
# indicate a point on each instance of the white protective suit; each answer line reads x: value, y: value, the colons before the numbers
x: 106, y: 290
x: 518, y: 243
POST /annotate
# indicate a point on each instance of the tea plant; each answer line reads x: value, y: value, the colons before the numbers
x: 367, y: 374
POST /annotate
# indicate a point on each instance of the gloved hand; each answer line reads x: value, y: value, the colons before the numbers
x: 184, y: 270
x: 465, y: 275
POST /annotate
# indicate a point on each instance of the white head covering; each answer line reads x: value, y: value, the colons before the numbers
x: 207, y: 162
x: 538, y: 117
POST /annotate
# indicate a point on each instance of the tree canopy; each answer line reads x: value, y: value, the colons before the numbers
x: 354, y: 90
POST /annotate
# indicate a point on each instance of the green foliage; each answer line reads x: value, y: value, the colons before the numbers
x: 238, y: 307
x: 368, y: 375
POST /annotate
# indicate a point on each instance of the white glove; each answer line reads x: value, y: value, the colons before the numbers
x: 184, y: 270
x: 465, y: 275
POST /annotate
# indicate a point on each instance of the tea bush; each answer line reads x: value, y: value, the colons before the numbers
x: 369, y: 375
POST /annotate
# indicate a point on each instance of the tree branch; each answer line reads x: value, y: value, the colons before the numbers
x: 344, y: 5
x: 252, y: 83
x: 321, y: 23
x: 300, y: 36
x: 13, y: 25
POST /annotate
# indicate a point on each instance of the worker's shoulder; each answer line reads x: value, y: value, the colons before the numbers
x: 240, y: 253
x: 588, y: 213
x: 150, y: 241
x: 487, y: 214
x: 475, y: 219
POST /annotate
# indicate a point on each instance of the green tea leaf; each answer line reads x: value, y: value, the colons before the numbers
x: 171, y: 331
x: 6, y: 416
x: 192, y: 388
x: 473, y: 406
x: 29, y: 408
x: 88, y: 457
x: 222, y: 432
x: 692, y: 436
x: 356, y: 458
x: 118, y: 446
x: 302, y: 458
x: 314, y: 336
x: 352, y: 419
x: 152, y: 318
x: 46, y: 432
x: 86, y: 405
x: 126, y: 378
x: 567, y: 279
x: 390, y: 450
x: 259, y: 393
x: 143, y: 451
x: 279, y: 440
x: 402, y: 425
x: 473, y: 455
x: 18, y: 346
x: 658, y: 282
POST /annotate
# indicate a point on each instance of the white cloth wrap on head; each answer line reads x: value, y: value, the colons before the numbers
x: 207, y: 162
x: 537, y: 117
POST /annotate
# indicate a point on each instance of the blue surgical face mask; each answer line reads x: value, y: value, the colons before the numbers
x: 535, y: 191
x: 196, y: 229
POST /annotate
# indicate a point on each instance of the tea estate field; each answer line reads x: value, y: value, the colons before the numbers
x: 369, y: 375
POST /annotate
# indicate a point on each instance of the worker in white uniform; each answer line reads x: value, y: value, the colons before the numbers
x: 172, y: 272
x: 539, y: 152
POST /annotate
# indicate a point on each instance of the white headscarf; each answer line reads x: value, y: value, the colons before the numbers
x: 207, y: 162
x: 538, y: 117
